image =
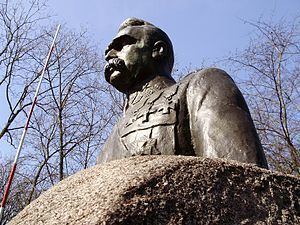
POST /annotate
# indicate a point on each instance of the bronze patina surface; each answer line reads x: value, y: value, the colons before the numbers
x: 203, y: 115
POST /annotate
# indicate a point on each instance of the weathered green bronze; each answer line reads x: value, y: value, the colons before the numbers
x: 203, y: 115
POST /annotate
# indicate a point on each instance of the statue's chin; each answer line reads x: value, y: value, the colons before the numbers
x: 115, y: 77
x: 119, y: 81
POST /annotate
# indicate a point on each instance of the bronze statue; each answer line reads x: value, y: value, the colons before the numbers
x: 204, y: 115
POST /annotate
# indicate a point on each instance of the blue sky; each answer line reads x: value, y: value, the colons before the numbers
x: 199, y: 29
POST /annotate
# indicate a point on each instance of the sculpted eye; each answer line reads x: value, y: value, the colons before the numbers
x: 119, y: 42
x: 127, y: 40
x: 123, y: 41
x: 118, y: 46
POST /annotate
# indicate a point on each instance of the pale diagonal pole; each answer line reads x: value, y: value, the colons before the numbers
x: 14, y: 165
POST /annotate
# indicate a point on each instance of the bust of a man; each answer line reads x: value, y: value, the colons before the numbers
x: 203, y: 115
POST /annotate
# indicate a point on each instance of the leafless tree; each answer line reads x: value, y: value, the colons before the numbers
x: 269, y: 72
x: 19, y: 35
x: 75, y: 111
x: 18, y: 192
x: 73, y: 116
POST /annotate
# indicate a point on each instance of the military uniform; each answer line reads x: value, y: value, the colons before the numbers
x: 203, y: 115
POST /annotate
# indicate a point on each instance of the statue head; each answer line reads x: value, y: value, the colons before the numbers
x: 139, y: 53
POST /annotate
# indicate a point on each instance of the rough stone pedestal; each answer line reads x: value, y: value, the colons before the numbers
x: 168, y: 190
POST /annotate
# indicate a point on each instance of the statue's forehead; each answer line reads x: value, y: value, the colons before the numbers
x: 140, y: 33
x: 134, y: 31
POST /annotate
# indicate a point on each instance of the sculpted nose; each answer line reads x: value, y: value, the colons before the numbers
x: 110, y: 54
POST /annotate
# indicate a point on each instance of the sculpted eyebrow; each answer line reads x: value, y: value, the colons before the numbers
x: 119, y: 42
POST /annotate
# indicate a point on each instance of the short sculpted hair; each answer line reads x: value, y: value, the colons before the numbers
x: 155, y: 34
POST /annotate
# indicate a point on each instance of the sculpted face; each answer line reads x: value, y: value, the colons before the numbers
x: 129, y: 58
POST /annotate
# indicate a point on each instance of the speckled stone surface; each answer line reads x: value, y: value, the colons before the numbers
x: 168, y: 190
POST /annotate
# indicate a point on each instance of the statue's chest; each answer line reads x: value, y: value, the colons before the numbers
x: 149, y: 125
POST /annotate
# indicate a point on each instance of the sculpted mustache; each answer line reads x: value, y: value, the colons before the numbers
x: 114, y: 64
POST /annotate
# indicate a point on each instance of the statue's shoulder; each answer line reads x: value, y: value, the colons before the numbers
x: 208, y: 76
x: 211, y: 81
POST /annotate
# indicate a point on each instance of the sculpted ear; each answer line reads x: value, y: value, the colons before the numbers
x: 160, y: 50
